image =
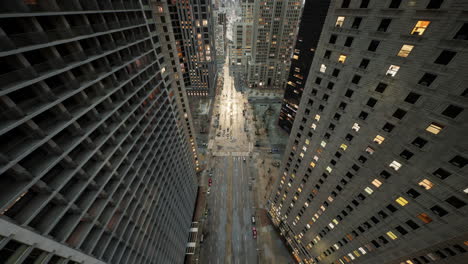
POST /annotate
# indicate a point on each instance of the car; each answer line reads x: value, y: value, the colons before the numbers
x: 243, y: 159
x: 253, y: 220
x: 208, y: 191
x: 210, y: 182
x: 254, y: 232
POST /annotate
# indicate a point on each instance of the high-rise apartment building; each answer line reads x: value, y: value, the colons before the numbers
x: 242, y: 34
x: 313, y: 16
x: 275, y: 25
x: 194, y: 26
x: 97, y: 163
x: 220, y: 38
x: 375, y: 168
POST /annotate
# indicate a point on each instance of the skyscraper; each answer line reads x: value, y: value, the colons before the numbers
x: 274, y: 32
x: 242, y: 34
x: 97, y: 161
x: 313, y: 16
x: 375, y: 168
x: 194, y: 25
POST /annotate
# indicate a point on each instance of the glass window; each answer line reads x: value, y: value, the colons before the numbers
x: 317, y: 117
x: 426, y: 184
x: 343, y: 147
x: 339, y: 21
x: 342, y: 58
x: 392, y: 70
x: 376, y: 183
x: 356, y: 127
x: 370, y: 150
x: 379, y: 139
x: 434, y: 128
x: 391, y: 235
x: 368, y: 190
x: 401, y: 201
x: 405, y: 51
x: 395, y: 165
x: 420, y: 27
x: 329, y: 169
x: 323, y: 143
x: 425, y: 218
x: 323, y: 68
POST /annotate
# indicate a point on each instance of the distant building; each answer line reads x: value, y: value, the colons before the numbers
x: 242, y: 36
x: 375, y: 167
x: 275, y: 25
x: 194, y: 28
x: 97, y: 155
x: 313, y: 16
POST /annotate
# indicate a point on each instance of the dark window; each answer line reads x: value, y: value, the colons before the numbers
x: 459, y: 248
x: 406, y: 154
x: 438, y: 210
x: 412, y: 224
x: 361, y: 197
x: 462, y: 34
x: 335, y: 72
x: 349, y: 93
x: 375, y: 220
x: 459, y: 161
x: 384, y: 24
x: 450, y: 252
x: 440, y: 254
x: 371, y: 102
x: 363, y: 115
x: 318, y: 80
x: 337, y: 117
x: 357, y: 22
x: 455, y: 202
x: 375, y: 244
x: 382, y: 214
x: 434, y: 4
x: 356, y: 79
x: 333, y: 39
x: 427, y: 79
x: 441, y: 173
x: 388, y: 127
x: 327, y: 53
x: 445, y: 57
x: 349, y: 41
x: 355, y: 202
x: 401, y: 230
x: 452, y: 111
x: 399, y: 113
x: 342, y: 106
x: 364, y: 4
x: 330, y: 85
x: 364, y: 63
x: 355, y: 167
x: 373, y: 45
x: 395, y: 4
x: 412, y: 98
x: 385, y: 174
x: 337, y: 154
x: 345, y: 3
x: 391, y: 208
x: 419, y: 142
x: 349, y: 137
x: 381, y: 87
x: 413, y: 193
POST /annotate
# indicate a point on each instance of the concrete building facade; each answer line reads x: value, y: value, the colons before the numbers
x: 275, y: 26
x: 242, y: 38
x: 312, y: 19
x: 375, y: 167
x: 97, y: 161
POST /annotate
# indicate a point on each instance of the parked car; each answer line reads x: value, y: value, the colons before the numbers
x: 210, y: 181
x: 253, y: 220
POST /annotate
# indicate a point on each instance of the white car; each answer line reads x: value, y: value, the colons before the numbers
x: 208, y: 191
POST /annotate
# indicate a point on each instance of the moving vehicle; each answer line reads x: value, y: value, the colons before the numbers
x: 210, y: 181
x: 208, y: 191
x: 253, y: 220
x: 254, y: 232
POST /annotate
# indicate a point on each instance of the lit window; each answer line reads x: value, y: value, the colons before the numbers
x: 316, y: 158
x: 343, y: 147
x: 335, y: 221
x: 395, y: 165
x: 330, y: 199
x: 419, y: 28
x: 434, y: 128
x: 362, y: 250
x: 336, y: 246
x: 317, y: 117
x: 339, y: 21
x: 313, y: 126
x: 351, y: 256
x: 368, y: 190
x: 376, y: 183
x: 466, y: 190
x: 302, y: 155
x: 391, y: 235
x: 312, y: 164
x: 425, y: 218
x: 308, y: 226
x: 307, y: 141
x: 331, y: 225
x: 426, y: 184
x: 323, y: 143
x: 323, y: 68
x: 392, y: 70
x: 401, y: 201
x: 409, y: 262
x: 329, y: 169
x: 370, y: 150
x: 295, y: 57
x: 379, y: 139
x: 342, y: 58
x: 356, y: 127
x: 356, y: 253
x: 405, y: 51
x: 304, y: 148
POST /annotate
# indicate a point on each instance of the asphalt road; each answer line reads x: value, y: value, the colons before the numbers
x: 228, y: 226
